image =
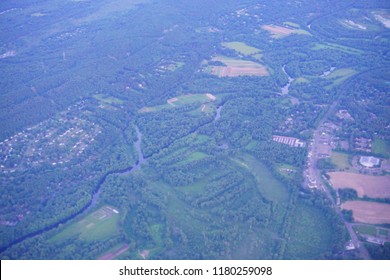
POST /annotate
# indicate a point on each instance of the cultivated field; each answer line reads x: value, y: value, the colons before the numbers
x: 369, y: 212
x: 365, y: 185
x: 280, y: 31
x: 236, y: 67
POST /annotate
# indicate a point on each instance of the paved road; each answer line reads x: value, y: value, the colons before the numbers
x: 313, y: 176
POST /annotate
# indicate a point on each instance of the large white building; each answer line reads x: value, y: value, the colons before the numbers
x: 369, y: 161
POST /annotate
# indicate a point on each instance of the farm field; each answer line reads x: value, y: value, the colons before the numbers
x: 280, y: 31
x: 98, y: 225
x: 369, y: 212
x: 365, y: 185
x: 242, y: 48
x: 237, y: 67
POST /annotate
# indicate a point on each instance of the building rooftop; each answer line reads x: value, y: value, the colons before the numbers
x: 369, y: 161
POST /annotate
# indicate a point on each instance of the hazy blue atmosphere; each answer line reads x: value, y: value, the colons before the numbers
x: 207, y: 129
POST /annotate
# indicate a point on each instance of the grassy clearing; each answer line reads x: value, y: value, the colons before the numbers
x: 241, y: 47
x: 338, y: 47
x: 286, y: 170
x: 267, y: 184
x: 340, y: 75
x: 108, y: 99
x: 370, y: 230
x: 98, y: 225
x: 301, y: 80
x: 292, y: 24
x: 193, y: 157
x: 183, y: 100
x: 341, y: 160
x: 382, y: 147
x: 174, y: 66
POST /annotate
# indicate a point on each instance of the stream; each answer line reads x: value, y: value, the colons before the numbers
x: 218, y: 114
x: 287, y: 86
x: 95, y: 195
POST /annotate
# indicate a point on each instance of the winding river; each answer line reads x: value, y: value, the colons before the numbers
x: 95, y: 195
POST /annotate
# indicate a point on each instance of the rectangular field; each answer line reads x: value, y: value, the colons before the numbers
x: 98, y: 225
x: 365, y: 185
x: 340, y: 160
x: 280, y: 31
x: 182, y: 101
x: 114, y: 252
x: 236, y: 67
x: 241, y: 47
x: 380, y: 146
x: 369, y: 212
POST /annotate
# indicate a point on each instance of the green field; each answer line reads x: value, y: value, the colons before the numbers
x: 338, y: 47
x: 287, y: 170
x: 301, y: 80
x: 193, y: 157
x: 242, y: 48
x: 340, y: 75
x: 183, y: 100
x: 98, y: 225
x: 381, y: 147
x: 370, y: 230
x: 341, y: 160
x: 292, y: 24
x: 108, y: 99
x: 267, y: 184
